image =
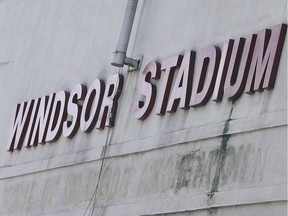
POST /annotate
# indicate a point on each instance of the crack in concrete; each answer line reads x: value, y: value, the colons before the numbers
x: 221, y: 156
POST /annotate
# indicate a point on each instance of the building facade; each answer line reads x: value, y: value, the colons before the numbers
x: 195, y: 145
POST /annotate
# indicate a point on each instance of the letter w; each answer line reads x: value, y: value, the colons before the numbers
x: 20, y: 124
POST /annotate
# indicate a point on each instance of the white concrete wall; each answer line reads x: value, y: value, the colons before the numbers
x: 163, y: 165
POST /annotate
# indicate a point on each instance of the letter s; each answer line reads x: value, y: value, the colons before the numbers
x: 142, y: 109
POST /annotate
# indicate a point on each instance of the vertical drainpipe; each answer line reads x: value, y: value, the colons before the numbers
x: 119, y: 56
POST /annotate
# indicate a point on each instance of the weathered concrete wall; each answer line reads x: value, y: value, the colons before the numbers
x: 219, y: 159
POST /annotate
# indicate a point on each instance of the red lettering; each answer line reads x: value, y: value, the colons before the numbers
x: 205, y: 76
x: 265, y: 60
x: 91, y: 106
x: 42, y: 120
x: 239, y: 67
x: 57, y: 116
x: 142, y: 109
x: 181, y: 91
x: 22, y: 115
x: 168, y: 66
x: 109, y: 105
x: 222, y: 71
x: 31, y: 125
x: 70, y: 127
